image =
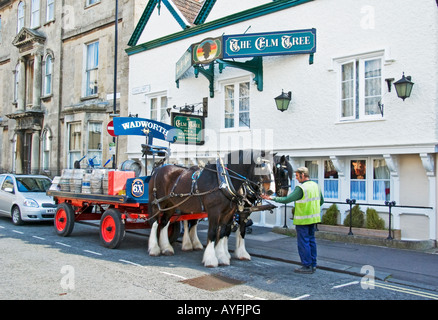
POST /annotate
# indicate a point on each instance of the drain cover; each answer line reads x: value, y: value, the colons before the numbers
x: 213, y: 282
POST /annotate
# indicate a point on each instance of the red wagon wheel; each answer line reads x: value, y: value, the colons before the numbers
x: 64, y: 219
x: 112, y: 230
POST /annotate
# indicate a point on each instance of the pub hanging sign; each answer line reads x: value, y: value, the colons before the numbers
x: 190, y: 128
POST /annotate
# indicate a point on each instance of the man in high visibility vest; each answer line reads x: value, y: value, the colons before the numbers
x: 308, y: 200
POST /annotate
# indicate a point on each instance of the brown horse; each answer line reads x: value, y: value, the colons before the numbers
x: 220, y: 189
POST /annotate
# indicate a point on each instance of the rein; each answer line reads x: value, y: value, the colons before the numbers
x: 191, y: 194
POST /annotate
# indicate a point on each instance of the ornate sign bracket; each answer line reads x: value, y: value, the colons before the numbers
x: 255, y: 66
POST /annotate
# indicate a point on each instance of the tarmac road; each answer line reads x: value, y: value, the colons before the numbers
x: 37, y: 264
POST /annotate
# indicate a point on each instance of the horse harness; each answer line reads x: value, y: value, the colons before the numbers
x: 244, y: 195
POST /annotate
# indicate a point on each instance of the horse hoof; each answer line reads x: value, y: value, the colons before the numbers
x: 168, y: 252
x: 244, y: 258
x: 198, y: 247
x: 210, y: 265
x: 155, y: 253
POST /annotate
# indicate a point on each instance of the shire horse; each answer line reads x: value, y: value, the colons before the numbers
x: 282, y: 174
x: 220, y: 189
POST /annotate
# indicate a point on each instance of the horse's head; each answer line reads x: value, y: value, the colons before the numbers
x: 282, y: 174
x: 256, y: 167
x: 265, y: 176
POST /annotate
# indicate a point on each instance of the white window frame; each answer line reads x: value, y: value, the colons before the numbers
x: 74, y: 154
x: 358, y: 90
x: 46, y: 150
x: 331, y: 179
x: 35, y: 20
x: 369, y: 181
x: 16, y: 82
x: 236, y: 83
x: 365, y: 181
x: 91, y: 2
x: 91, y: 153
x: 88, y: 69
x: 48, y: 75
x: 387, y: 180
x: 158, y: 109
x: 20, y: 16
x: 320, y: 179
x: 50, y: 10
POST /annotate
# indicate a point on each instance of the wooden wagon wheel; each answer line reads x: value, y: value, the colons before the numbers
x: 112, y: 229
x: 64, y: 219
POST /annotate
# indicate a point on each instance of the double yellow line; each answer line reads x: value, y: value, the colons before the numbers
x: 406, y: 290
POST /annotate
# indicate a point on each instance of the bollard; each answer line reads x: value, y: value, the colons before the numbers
x: 350, y: 202
x: 285, y: 214
x: 390, y: 204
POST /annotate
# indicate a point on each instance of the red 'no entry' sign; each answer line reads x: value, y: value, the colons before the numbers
x: 110, y: 128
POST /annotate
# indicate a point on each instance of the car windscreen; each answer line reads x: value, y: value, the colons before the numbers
x: 29, y: 184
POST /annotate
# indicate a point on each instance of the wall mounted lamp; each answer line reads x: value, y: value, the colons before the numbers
x: 190, y: 108
x: 404, y: 87
x: 283, y: 101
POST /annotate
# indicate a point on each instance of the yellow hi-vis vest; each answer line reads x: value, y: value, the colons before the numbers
x: 308, y: 209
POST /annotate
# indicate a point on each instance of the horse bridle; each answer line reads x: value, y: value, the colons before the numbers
x: 249, y: 187
x: 281, y: 174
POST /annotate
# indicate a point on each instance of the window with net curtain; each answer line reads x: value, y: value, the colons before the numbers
x: 331, y: 181
x: 237, y: 105
x: 331, y: 178
x: 361, y: 88
x: 358, y: 183
x: 74, y: 143
x: 91, y: 69
x: 159, y: 109
x: 95, y: 142
x: 381, y: 182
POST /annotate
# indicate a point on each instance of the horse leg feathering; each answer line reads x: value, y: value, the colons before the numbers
x: 154, y: 248
x: 240, y: 252
x: 166, y: 247
x: 186, y: 242
x: 197, y: 245
x: 209, y: 259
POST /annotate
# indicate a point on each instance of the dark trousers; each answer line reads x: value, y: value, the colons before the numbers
x: 306, y: 244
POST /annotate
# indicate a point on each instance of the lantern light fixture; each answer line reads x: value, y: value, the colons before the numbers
x: 404, y: 87
x: 283, y: 101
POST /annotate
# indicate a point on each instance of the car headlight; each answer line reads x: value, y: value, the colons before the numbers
x: 30, y: 203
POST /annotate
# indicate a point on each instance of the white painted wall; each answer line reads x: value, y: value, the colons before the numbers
x: 404, y: 33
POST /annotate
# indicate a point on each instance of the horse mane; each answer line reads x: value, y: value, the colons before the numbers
x: 284, y: 161
x: 243, y: 161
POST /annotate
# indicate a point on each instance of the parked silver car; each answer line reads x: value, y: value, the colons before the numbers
x: 23, y: 197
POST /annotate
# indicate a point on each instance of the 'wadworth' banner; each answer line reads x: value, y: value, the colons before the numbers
x: 144, y: 127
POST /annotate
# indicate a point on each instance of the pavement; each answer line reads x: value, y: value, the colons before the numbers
x: 416, y: 268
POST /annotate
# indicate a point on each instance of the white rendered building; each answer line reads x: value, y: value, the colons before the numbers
x: 358, y: 139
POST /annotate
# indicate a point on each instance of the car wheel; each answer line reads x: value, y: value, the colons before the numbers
x: 16, y: 216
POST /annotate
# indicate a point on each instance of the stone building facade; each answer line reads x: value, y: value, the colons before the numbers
x: 57, y: 75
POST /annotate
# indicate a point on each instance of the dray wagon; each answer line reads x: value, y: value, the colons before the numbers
x: 116, y: 213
